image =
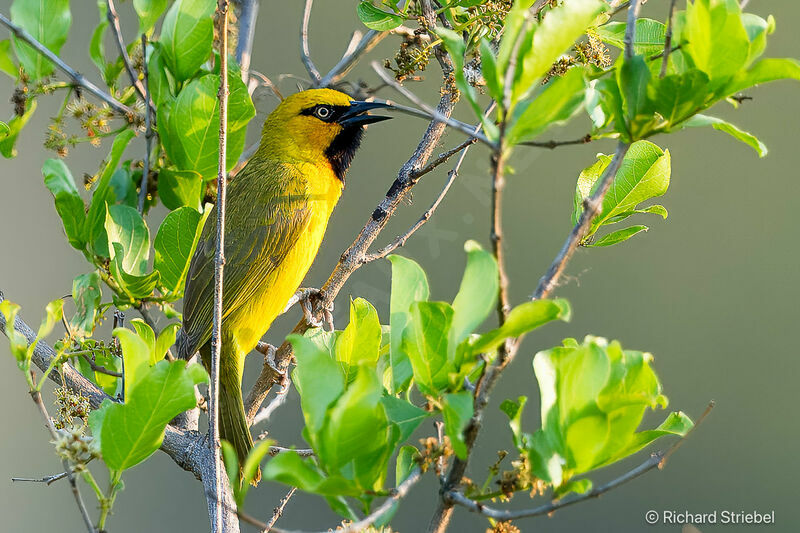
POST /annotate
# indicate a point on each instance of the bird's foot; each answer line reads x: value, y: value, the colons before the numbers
x: 269, y: 352
x: 310, y: 301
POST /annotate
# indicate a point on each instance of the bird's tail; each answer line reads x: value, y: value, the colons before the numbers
x: 233, y: 424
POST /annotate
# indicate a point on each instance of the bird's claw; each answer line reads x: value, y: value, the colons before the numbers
x: 269, y: 352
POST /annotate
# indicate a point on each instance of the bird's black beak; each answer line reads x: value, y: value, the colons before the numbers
x: 356, y: 113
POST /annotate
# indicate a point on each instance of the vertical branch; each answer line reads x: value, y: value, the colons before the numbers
x: 305, y: 52
x: 219, y: 264
x: 668, y: 39
x: 113, y: 20
x: 148, y: 134
x: 248, y: 13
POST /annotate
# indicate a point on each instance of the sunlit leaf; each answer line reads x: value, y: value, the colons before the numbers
x: 47, y: 22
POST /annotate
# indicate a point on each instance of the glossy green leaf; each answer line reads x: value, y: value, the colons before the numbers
x: 406, y: 415
x: 146, y: 333
x: 616, y: 237
x: 148, y: 11
x: 360, y: 342
x: 522, y: 319
x: 293, y: 470
x: 409, y: 285
x: 764, y: 71
x: 650, y: 35
x: 477, y: 294
x: 678, y: 96
x: 457, y: 413
x: 86, y: 293
x: 133, y: 287
x: 319, y: 381
x: 95, y: 230
x: 186, y: 36
x: 557, y: 32
x: 15, y: 125
x: 513, y: 409
x: 377, y: 19
x: 493, y: 77
x: 48, y: 22
x: 129, y: 433
x: 160, y: 83
x: 425, y: 341
x: 124, y: 225
x: 174, y: 246
x: 69, y: 204
x: 726, y: 127
x: 7, y: 62
x: 556, y: 104
x: 136, y: 354
x: 179, y: 188
x: 193, y: 124
x: 633, y: 77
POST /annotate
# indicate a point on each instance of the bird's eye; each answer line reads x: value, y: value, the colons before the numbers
x: 323, y: 112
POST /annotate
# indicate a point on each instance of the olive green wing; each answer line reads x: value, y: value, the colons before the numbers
x: 267, y: 210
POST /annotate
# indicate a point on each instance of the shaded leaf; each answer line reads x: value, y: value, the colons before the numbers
x: 69, y: 204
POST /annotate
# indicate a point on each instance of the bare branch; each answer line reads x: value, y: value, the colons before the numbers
x: 553, y: 144
x: 46, y: 479
x: 278, y: 511
x: 265, y: 414
x: 148, y: 135
x: 668, y: 39
x: 94, y: 366
x: 248, y: 13
x: 302, y: 452
x: 305, y: 53
x: 351, y: 57
x: 76, y: 77
x: 113, y: 20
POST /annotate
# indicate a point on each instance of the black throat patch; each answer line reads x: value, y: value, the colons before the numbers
x: 341, y: 151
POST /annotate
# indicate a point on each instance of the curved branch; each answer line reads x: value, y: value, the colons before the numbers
x: 305, y: 53
x: 248, y: 13
x: 75, y: 76
x: 351, y: 57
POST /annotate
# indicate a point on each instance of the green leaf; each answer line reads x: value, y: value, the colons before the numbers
x: 514, y: 412
x: 406, y: 415
x: 360, y: 342
x: 376, y: 19
x: 16, y: 340
x: 193, y: 124
x: 522, y: 319
x: 716, y: 39
x: 319, y: 381
x: 161, y: 88
x: 409, y: 285
x: 47, y: 22
x: 425, y: 341
x: 557, y: 103
x: 129, y: 433
x: 644, y: 174
x: 457, y: 413
x: 678, y: 96
x: 493, y: 77
x: 249, y: 469
x: 726, y: 127
x: 557, y: 32
x: 133, y: 286
x: 69, y: 204
x: 165, y: 340
x: 633, y: 78
x: 87, y: 294
x: 136, y: 353
x: 650, y: 35
x: 174, y: 246
x: 95, y: 230
x: 616, y: 237
x: 149, y: 11
x: 15, y: 125
x: 125, y: 226
x: 293, y: 470
x: 179, y: 188
x: 186, y: 36
x: 763, y: 71
x: 7, y: 63
x: 477, y: 294
x: 355, y: 441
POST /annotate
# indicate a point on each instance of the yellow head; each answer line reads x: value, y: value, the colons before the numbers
x: 321, y: 126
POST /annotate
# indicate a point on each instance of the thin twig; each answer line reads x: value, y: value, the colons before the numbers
x: 553, y: 144
x: 351, y: 57
x: 278, y: 511
x: 305, y: 53
x: 400, y: 240
x: 248, y: 13
x: 265, y: 413
x: 431, y: 113
x: 219, y: 261
x: 302, y: 452
x: 37, y: 399
x: 75, y: 76
x: 46, y: 479
x: 94, y: 366
x: 668, y: 39
x: 113, y: 20
x: 743, y: 4
x: 656, y: 460
x: 148, y: 135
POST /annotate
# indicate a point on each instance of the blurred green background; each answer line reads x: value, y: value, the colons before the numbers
x: 712, y: 292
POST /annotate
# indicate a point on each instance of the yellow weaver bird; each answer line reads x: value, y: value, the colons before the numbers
x: 277, y: 211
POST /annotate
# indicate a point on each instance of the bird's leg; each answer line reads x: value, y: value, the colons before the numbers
x: 269, y: 352
x: 308, y: 298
